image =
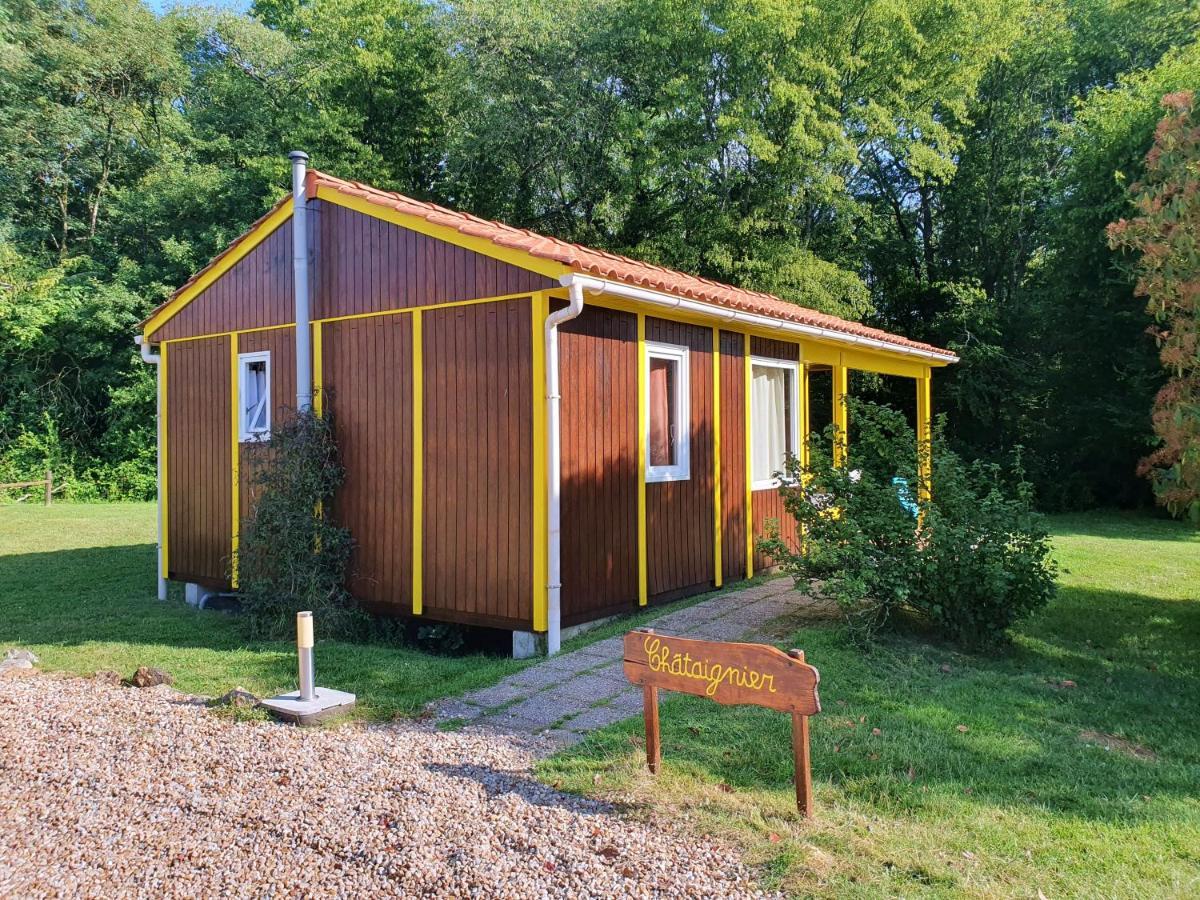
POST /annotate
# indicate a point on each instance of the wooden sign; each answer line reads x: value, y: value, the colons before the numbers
x: 732, y: 674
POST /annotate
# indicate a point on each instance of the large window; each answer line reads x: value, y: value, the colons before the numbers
x: 254, y: 396
x: 774, y: 418
x: 667, y: 413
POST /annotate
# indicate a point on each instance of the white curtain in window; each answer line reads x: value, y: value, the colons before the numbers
x: 769, y: 419
x: 256, y: 396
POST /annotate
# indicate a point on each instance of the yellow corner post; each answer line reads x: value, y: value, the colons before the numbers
x: 841, y: 414
x: 418, y: 464
x: 716, y: 367
x: 318, y: 354
x: 924, y: 435
x: 541, y: 601
x: 747, y: 427
x: 235, y: 495
x: 162, y: 438
x: 805, y: 416
x: 642, y: 416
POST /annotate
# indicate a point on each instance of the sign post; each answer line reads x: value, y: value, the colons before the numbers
x: 731, y: 674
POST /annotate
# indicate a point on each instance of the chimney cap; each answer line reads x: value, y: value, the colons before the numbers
x: 297, y: 155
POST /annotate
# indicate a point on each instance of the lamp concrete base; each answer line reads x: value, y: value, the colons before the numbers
x: 325, y: 704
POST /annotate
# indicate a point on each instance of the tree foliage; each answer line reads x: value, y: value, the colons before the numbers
x: 1166, y: 237
x: 944, y: 168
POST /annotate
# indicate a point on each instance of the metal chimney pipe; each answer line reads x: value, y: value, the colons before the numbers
x: 304, y: 382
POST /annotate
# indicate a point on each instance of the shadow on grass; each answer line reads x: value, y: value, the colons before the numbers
x: 1022, y: 743
x: 95, y: 608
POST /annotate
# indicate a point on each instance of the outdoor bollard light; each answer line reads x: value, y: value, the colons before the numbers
x: 310, y: 704
x: 304, y: 650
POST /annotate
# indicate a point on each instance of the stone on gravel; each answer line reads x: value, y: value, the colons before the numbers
x: 112, y: 793
x: 149, y: 676
x: 108, y: 676
x: 238, y: 698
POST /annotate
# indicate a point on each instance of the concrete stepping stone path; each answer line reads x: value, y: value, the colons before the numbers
x: 566, y: 697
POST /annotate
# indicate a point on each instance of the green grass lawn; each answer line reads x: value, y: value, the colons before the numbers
x: 1084, y: 791
x: 77, y: 587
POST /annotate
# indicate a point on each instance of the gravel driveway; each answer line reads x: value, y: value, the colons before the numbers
x: 112, y: 792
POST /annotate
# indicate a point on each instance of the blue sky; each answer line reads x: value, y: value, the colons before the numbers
x: 160, y: 6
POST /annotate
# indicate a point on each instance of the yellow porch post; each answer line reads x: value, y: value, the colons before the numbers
x: 924, y: 433
x: 841, y: 415
x: 805, y: 423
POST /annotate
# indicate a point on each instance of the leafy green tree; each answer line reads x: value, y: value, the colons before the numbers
x: 1166, y: 234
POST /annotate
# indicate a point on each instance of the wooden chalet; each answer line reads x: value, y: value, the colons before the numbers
x: 536, y: 435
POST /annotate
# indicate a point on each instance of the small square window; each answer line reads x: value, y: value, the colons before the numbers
x: 668, y: 421
x: 254, y: 396
x: 774, y: 418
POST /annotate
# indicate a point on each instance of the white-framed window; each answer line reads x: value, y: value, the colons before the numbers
x: 774, y: 418
x: 254, y: 396
x: 668, y: 412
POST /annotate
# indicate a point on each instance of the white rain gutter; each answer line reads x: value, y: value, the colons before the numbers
x: 304, y: 382
x: 721, y: 314
x: 154, y: 359
x: 554, y: 466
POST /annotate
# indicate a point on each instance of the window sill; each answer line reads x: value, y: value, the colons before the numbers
x: 660, y: 476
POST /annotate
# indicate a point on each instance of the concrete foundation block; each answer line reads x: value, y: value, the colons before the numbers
x: 527, y: 644
x: 325, y: 704
x: 194, y: 594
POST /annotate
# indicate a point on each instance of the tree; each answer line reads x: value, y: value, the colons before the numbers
x: 1166, y: 237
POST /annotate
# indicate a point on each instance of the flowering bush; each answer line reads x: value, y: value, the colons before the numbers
x: 973, y: 559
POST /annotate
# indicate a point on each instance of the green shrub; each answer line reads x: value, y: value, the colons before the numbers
x: 973, y: 559
x: 292, y: 556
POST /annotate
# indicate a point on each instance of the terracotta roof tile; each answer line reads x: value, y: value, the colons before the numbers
x: 589, y: 262
x: 618, y: 268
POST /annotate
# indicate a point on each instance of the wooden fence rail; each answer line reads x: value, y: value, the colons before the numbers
x: 48, y: 482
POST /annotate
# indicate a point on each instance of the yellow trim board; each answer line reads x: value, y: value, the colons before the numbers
x: 318, y: 370
x: 811, y: 349
x: 235, y: 474
x: 841, y: 414
x: 162, y: 425
x: 483, y: 246
x: 643, y: 561
x: 924, y: 435
x: 716, y: 366
x: 541, y: 600
x: 748, y: 426
x: 406, y: 310
x: 418, y: 465
x: 218, y: 267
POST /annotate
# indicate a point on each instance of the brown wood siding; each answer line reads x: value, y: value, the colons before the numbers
x: 199, y: 448
x: 281, y: 343
x: 367, y: 374
x: 768, y: 505
x: 478, y: 451
x: 367, y: 265
x: 598, y: 378
x: 733, y: 456
x: 679, y: 514
x: 254, y: 293
x: 774, y: 349
x: 360, y: 265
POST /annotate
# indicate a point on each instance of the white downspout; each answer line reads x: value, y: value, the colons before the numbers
x: 154, y: 359
x: 304, y: 382
x: 554, y: 465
